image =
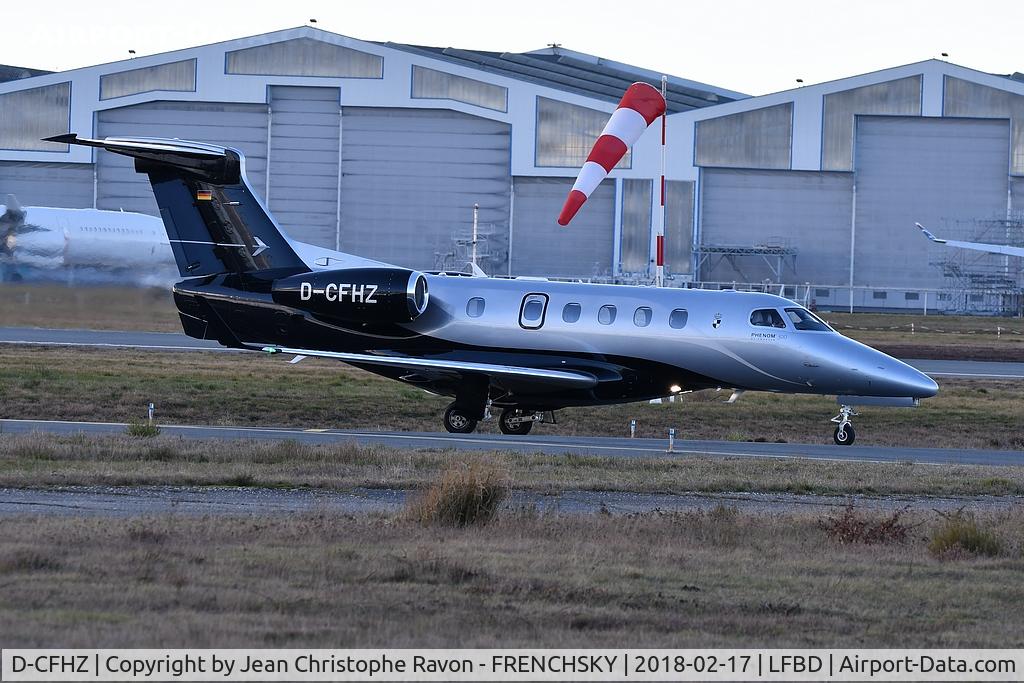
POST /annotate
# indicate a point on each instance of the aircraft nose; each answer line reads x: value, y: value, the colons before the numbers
x: 896, y: 378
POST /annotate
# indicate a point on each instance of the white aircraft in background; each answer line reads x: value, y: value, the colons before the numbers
x: 976, y: 246
x: 52, y: 239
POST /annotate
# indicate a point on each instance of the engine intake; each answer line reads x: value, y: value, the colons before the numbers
x: 373, y: 295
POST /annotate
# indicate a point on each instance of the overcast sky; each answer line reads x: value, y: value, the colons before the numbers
x: 746, y: 45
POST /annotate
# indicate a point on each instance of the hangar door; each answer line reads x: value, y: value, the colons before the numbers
x: 410, y: 178
x: 807, y: 210
x: 543, y: 248
x: 243, y: 126
x: 305, y: 124
x: 45, y: 184
x: 942, y: 172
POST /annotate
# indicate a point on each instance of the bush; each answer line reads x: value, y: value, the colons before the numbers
x: 852, y: 526
x: 961, y: 536
x: 143, y: 429
x: 462, y: 497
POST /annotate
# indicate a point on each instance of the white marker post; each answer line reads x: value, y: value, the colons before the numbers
x: 151, y: 410
x: 671, y: 439
x: 632, y: 428
x: 659, y: 276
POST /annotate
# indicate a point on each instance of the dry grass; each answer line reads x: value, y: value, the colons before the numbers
x: 88, y: 307
x: 462, y: 496
x: 254, y: 389
x: 714, y: 579
x: 853, y: 526
x: 49, y: 460
x: 961, y: 534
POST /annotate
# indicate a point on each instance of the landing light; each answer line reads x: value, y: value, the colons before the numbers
x: 675, y: 388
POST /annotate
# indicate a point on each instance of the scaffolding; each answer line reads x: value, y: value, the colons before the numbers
x: 979, y: 283
x: 775, y: 253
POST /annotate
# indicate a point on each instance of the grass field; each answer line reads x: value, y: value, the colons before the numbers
x: 255, y: 389
x: 35, y: 460
x: 714, y: 579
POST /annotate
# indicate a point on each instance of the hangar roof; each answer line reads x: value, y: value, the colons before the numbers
x: 577, y: 72
x: 13, y: 73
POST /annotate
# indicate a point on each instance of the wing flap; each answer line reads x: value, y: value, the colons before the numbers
x: 566, y: 379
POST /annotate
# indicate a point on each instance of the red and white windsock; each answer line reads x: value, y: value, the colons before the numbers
x: 640, y: 106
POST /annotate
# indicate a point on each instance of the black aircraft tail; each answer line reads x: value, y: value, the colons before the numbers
x: 214, y: 221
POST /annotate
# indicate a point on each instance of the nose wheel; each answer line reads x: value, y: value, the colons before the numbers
x: 844, y: 433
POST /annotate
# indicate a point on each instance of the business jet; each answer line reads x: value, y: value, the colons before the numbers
x: 48, y: 239
x: 976, y: 246
x: 526, y: 347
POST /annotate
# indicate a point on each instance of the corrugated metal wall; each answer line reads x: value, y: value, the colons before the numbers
x: 1017, y: 197
x: 410, y: 178
x: 804, y: 209
x: 305, y: 126
x: 540, y: 247
x: 938, y: 171
x: 45, y: 184
x: 678, y: 227
x: 243, y: 126
x: 635, y: 248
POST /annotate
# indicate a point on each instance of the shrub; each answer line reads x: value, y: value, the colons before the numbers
x: 464, y: 496
x: 960, y: 535
x: 143, y: 429
x: 853, y: 526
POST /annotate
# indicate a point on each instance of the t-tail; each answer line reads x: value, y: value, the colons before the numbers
x: 214, y: 221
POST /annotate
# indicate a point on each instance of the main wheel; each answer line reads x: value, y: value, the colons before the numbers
x: 457, y: 421
x: 844, y: 435
x: 515, y: 428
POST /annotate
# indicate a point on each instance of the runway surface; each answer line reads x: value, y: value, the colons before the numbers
x: 552, y: 445
x: 166, y: 341
x: 125, y: 501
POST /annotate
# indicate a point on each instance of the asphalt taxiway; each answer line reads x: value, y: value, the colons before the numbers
x: 547, y: 444
x: 170, y: 341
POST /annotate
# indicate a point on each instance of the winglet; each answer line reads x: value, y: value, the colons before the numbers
x: 929, y: 235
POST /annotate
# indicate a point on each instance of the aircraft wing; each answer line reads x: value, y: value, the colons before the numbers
x: 976, y: 246
x: 554, y: 379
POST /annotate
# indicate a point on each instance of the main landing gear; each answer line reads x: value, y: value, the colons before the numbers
x: 844, y: 434
x: 513, y: 421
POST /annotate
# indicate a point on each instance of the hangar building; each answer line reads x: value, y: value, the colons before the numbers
x: 382, y: 149
x: 378, y: 149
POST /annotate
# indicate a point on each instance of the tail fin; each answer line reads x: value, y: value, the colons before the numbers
x: 214, y: 221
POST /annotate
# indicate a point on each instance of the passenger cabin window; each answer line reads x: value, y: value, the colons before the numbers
x: 475, y: 307
x: 767, y: 317
x: 642, y: 317
x: 531, y: 316
x: 803, y: 319
x: 571, y: 313
x: 677, y: 319
x: 606, y: 315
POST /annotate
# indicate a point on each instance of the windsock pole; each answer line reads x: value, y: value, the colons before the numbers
x: 659, y: 276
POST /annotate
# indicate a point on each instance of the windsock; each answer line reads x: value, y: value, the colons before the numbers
x: 640, y: 106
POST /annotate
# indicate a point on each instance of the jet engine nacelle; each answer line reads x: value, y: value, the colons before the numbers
x: 372, y: 295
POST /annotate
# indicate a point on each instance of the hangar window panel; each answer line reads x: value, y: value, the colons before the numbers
x: 964, y: 98
x: 176, y: 76
x: 27, y: 116
x: 304, y: 57
x: 678, y: 227
x: 900, y: 97
x: 636, y: 226
x: 567, y: 132
x: 431, y: 84
x: 762, y: 138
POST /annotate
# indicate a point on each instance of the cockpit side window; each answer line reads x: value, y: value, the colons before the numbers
x: 803, y: 319
x: 767, y: 317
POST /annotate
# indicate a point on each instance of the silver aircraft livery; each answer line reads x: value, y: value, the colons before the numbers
x: 526, y: 347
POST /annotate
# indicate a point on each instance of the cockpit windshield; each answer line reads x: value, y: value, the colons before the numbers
x: 803, y: 319
x: 767, y: 317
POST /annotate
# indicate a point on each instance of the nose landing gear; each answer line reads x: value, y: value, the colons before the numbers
x: 518, y: 422
x: 844, y: 433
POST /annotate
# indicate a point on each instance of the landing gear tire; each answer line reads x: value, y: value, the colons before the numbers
x: 507, y: 426
x: 844, y: 435
x: 457, y: 421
